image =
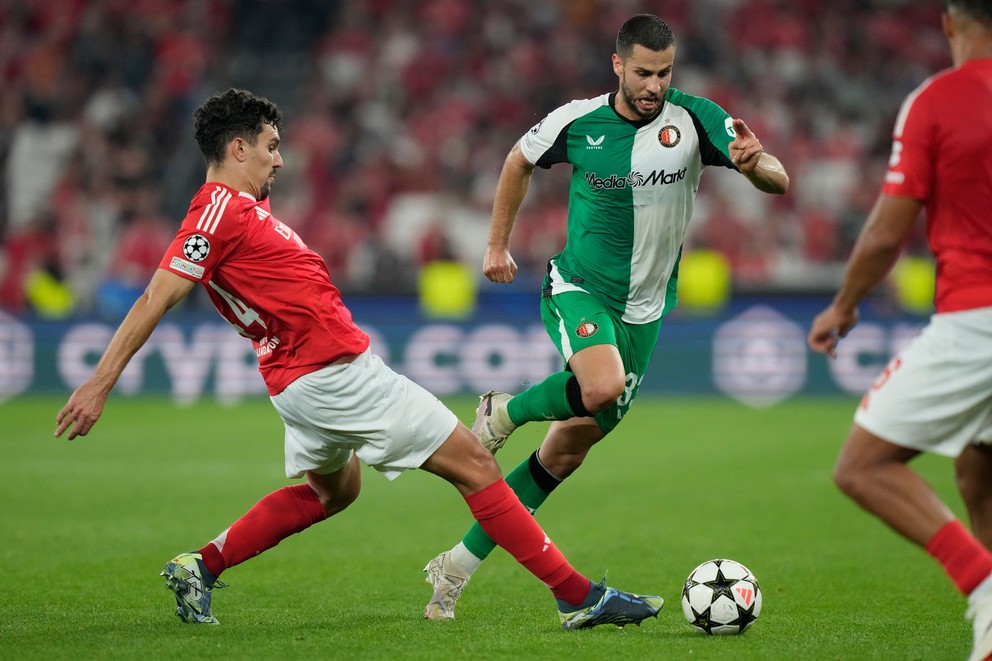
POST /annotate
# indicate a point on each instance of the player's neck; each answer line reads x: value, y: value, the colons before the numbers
x: 969, y: 40
x: 977, y: 51
x: 221, y: 175
x: 981, y: 49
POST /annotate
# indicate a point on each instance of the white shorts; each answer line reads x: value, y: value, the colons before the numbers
x: 362, y: 407
x: 936, y: 395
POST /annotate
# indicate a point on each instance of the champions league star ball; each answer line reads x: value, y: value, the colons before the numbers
x: 721, y: 597
x: 196, y: 248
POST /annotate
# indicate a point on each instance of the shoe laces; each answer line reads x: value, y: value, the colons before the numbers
x: 454, y: 580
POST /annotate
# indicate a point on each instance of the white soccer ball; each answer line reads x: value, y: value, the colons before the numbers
x: 721, y: 597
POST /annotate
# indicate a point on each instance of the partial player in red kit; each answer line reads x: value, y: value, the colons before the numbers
x: 935, y: 396
x: 263, y: 280
x: 340, y: 403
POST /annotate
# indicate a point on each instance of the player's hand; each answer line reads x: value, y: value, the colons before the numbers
x: 828, y: 327
x: 745, y: 149
x: 81, y: 411
x: 498, y: 265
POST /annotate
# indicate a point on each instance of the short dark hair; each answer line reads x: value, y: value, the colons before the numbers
x: 229, y: 115
x: 646, y: 30
x: 980, y: 10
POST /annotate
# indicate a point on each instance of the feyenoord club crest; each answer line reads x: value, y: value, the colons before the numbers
x: 196, y: 248
x: 669, y: 136
x: 587, y: 329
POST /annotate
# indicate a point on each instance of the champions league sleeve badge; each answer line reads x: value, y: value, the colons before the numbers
x: 196, y: 248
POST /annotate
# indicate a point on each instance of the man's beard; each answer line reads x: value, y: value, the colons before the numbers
x: 632, y: 102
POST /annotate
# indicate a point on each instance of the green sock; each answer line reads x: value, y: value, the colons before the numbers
x: 525, y: 484
x: 542, y: 401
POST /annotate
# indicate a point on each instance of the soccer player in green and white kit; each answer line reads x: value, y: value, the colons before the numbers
x: 636, y: 155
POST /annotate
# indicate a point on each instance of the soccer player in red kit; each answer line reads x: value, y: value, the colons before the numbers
x: 936, y: 395
x: 340, y: 403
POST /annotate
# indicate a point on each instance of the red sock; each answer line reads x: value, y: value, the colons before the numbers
x: 965, y: 560
x: 282, y: 513
x: 509, y: 524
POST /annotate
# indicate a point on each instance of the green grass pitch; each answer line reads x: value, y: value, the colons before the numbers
x: 86, y: 526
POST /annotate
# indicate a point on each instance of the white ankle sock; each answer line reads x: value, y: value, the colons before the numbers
x: 501, y: 420
x: 465, y: 559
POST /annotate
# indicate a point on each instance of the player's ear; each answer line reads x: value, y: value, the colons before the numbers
x: 617, y: 65
x: 238, y: 148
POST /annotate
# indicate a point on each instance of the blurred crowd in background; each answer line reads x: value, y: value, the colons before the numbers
x: 398, y: 115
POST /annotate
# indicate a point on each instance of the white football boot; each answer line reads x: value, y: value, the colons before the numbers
x: 492, y: 424
x: 448, y: 581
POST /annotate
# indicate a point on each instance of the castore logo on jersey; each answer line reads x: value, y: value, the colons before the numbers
x: 595, y: 143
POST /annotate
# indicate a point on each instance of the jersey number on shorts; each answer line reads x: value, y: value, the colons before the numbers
x: 881, y: 380
x: 629, y: 387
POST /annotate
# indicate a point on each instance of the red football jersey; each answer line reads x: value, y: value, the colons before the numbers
x: 942, y: 156
x: 265, y: 281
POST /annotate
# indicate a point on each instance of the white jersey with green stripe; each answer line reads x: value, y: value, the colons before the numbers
x: 631, y: 196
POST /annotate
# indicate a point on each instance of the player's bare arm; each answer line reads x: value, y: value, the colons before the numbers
x: 876, y: 250
x: 514, y: 180
x: 86, y: 404
x: 763, y: 170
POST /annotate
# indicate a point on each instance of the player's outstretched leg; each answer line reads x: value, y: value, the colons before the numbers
x: 449, y: 572
x: 193, y: 585
x: 606, y: 605
x: 492, y: 423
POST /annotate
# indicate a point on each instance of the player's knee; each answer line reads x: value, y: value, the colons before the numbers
x: 594, y: 397
x: 336, y: 498
x: 477, y: 472
x: 851, y: 480
x: 339, y: 500
x: 467, y: 465
x: 602, y: 395
x: 482, y: 465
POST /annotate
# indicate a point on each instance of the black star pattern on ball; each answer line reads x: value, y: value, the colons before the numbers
x: 721, y: 586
